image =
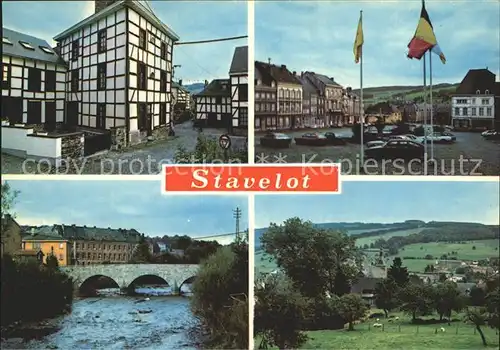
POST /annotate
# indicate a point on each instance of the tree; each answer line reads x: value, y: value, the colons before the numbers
x: 447, y: 298
x: 142, y: 252
x: 477, y: 296
x: 51, y: 262
x: 478, y: 318
x: 416, y: 299
x: 220, y: 296
x: 398, y: 273
x: 429, y: 268
x: 316, y: 260
x: 386, y: 295
x: 351, y: 307
x: 207, y: 150
x: 8, y: 201
x: 280, y: 312
x: 473, y: 247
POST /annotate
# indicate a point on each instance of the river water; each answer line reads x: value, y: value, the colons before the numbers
x: 116, y: 323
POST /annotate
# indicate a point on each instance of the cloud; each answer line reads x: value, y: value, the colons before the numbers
x: 191, y: 20
x: 319, y: 36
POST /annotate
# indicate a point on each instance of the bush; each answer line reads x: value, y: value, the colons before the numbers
x: 33, y: 292
x: 220, y: 297
x: 207, y: 150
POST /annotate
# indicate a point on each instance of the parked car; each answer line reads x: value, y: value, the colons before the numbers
x: 438, y: 137
x: 488, y: 132
x: 275, y: 140
x: 392, y: 137
x: 396, y: 149
x: 447, y: 133
x: 311, y: 139
x: 334, y: 140
x: 493, y: 136
x: 418, y: 139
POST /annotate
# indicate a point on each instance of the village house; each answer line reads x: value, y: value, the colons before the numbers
x: 107, y: 84
x: 473, y: 104
x: 351, y: 106
x: 266, y: 113
x: 224, y: 102
x: 82, y: 245
x: 310, y: 117
x: 181, y: 97
x: 10, y: 236
x: 333, y: 97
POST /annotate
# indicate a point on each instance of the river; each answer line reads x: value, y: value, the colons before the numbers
x: 115, y: 323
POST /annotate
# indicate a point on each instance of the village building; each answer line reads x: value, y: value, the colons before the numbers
x: 10, y: 236
x: 266, y: 113
x: 310, y: 117
x: 332, y: 94
x: 238, y: 73
x: 181, y: 97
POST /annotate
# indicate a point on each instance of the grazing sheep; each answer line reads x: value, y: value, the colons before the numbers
x: 378, y: 319
x: 442, y: 329
x: 397, y: 318
x: 377, y: 325
x: 389, y: 320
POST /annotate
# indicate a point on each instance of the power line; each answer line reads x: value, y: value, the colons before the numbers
x: 212, y: 40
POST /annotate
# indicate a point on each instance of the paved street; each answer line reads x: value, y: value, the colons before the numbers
x: 479, y: 157
x: 140, y: 159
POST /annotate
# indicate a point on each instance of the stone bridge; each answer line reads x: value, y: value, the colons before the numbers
x: 125, y: 274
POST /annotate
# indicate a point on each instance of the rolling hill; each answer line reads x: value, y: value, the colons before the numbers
x: 195, y: 88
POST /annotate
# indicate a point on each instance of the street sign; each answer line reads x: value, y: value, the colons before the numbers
x: 224, y: 141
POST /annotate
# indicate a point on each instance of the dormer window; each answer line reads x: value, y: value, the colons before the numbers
x: 486, y: 92
x: 478, y: 92
x: 6, y: 41
x: 46, y: 50
x: 26, y: 45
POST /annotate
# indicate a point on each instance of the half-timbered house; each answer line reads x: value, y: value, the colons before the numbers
x: 266, y: 114
x: 120, y: 70
x: 33, y: 79
x: 181, y: 97
x: 238, y: 74
x: 213, y: 104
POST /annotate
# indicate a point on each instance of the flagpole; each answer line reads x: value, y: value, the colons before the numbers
x: 361, y: 110
x: 432, y: 106
x: 425, y: 118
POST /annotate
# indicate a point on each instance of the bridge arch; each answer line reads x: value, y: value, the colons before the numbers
x: 90, y: 285
x: 188, y: 280
x: 149, y: 278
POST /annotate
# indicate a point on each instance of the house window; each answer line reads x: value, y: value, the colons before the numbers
x: 5, y: 76
x: 142, y: 122
x: 101, y: 44
x: 163, y: 81
x: 142, y: 39
x: 457, y: 111
x: 75, y: 48
x: 488, y: 111
x: 61, y: 257
x: 243, y: 117
x: 141, y: 76
x: 101, y: 116
x: 101, y: 76
x: 464, y: 111
x: 46, y: 50
x: 37, y: 245
x: 6, y: 41
x: 481, y: 111
x: 50, y: 80
x: 163, y: 49
x: 218, y: 100
x: 34, y: 79
x: 163, y: 113
x: 61, y: 245
x: 26, y: 45
x: 74, y: 80
x: 485, y: 101
x: 152, y: 39
x: 243, y: 92
x: 473, y: 111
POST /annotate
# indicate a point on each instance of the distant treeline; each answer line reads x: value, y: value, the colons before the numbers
x: 194, y: 251
x: 445, y: 233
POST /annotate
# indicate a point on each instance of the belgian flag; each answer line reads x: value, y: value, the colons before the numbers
x: 424, y: 38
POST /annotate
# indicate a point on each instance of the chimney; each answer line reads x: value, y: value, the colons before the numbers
x: 283, y: 66
x: 294, y: 73
x: 331, y: 78
x: 301, y: 74
x: 32, y: 231
x: 269, y: 60
x: 180, y: 82
x: 100, y: 5
x: 206, y: 83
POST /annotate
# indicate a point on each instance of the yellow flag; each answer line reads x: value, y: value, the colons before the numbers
x: 358, y: 42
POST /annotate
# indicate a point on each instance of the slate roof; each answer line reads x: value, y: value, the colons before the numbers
x: 17, y: 50
x: 178, y: 86
x: 74, y: 232
x: 365, y: 283
x: 280, y: 74
x: 308, y: 88
x: 325, y: 80
x: 239, y: 64
x: 477, y: 79
x: 216, y: 88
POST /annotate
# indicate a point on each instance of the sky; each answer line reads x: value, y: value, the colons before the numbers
x: 191, y: 20
x: 319, y: 37
x: 127, y: 204
x: 387, y: 202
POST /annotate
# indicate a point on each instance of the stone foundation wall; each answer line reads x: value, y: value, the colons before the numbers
x: 118, y: 138
x: 240, y: 131
x: 161, y: 132
x: 72, y: 146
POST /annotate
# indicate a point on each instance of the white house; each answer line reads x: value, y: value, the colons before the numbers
x: 181, y: 98
x: 119, y: 70
x: 33, y: 90
x: 473, y: 110
x: 238, y: 74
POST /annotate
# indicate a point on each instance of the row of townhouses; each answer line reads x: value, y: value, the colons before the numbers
x: 110, y: 75
x: 287, y: 100
x: 70, y: 244
x: 223, y: 103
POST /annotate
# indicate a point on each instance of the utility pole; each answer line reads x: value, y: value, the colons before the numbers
x: 237, y: 217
